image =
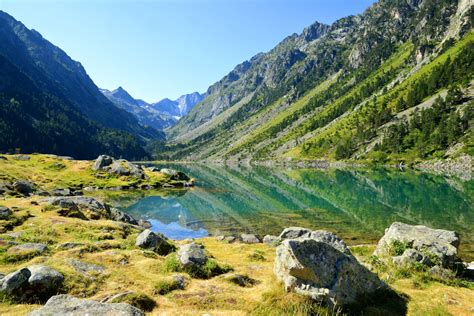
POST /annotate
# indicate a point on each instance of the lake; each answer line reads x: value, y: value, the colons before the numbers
x: 357, y: 205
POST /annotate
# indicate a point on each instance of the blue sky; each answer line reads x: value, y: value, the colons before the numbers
x: 166, y: 48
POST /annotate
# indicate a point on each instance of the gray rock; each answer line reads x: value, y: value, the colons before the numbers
x: 102, y: 161
x: 271, y: 240
x: 69, y: 245
x: 14, y: 235
x: 155, y: 242
x: 410, y: 256
x: 85, y: 268
x: 72, y: 306
x: 318, y: 270
x: 44, y: 279
x: 24, y: 187
x: 191, y: 255
x: 37, y: 248
x: 442, y: 244
x: 175, y: 175
x: 294, y: 232
x: 14, y: 281
x: 154, y: 169
x: 21, y: 157
x: 330, y: 239
x: 123, y: 167
x: 3, y: 158
x: 144, y: 224
x: 230, y: 239
x: 441, y: 273
x: 5, y: 212
x: 120, y: 216
x: 469, y: 270
x: 249, y: 239
x: 180, y: 281
x: 61, y: 192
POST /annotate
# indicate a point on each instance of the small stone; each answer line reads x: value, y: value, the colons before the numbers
x: 155, y: 242
x: 69, y: 245
x: 85, y: 268
x: 5, y: 212
x: 240, y: 280
x: 24, y: 187
x: 61, y: 192
x: 249, y: 239
x: 271, y: 240
x: 230, y: 239
x: 192, y: 255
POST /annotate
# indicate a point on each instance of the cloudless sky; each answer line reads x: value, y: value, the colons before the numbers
x: 166, y: 48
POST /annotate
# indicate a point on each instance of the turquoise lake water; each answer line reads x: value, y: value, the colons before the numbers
x: 355, y: 204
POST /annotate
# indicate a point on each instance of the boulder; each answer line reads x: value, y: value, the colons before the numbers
x: 249, y: 239
x: 24, y: 187
x: 5, y: 212
x: 294, y: 232
x: 320, y: 271
x: 21, y: 157
x: 44, y: 279
x: 34, y: 282
x: 155, y: 242
x: 120, y: 216
x: 14, y: 281
x: 70, y: 305
x: 191, y: 255
x: 230, y: 239
x: 102, y: 161
x: 123, y: 167
x: 271, y: 240
x: 434, y: 243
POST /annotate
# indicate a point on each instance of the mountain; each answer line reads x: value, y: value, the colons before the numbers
x: 180, y: 106
x: 391, y: 84
x: 49, y: 103
x: 145, y: 114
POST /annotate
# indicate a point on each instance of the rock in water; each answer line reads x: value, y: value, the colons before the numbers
x: 440, y: 244
x: 70, y: 305
x: 192, y: 255
x: 318, y: 270
x: 155, y: 242
x: 102, y: 161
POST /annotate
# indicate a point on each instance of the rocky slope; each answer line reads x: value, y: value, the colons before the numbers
x: 329, y: 92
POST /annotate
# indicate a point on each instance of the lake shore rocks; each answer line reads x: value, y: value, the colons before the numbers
x: 70, y: 305
x: 119, y: 167
x: 155, y: 242
x: 417, y: 243
x: 90, y: 208
x: 322, y: 272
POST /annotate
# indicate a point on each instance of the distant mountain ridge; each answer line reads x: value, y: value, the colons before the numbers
x: 49, y: 103
x: 351, y: 90
x: 159, y: 115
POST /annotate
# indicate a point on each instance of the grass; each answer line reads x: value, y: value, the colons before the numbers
x: 150, y: 276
